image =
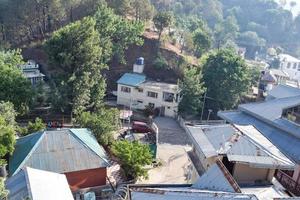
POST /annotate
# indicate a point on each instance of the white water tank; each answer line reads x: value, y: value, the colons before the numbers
x: 138, y: 66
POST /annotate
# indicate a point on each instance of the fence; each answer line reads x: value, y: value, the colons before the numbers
x: 287, y: 182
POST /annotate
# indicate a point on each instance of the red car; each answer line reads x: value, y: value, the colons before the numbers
x: 140, y: 127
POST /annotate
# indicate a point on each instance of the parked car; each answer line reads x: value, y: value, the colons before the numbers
x: 140, y: 127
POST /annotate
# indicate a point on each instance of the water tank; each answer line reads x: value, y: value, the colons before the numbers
x: 138, y: 66
x: 140, y: 61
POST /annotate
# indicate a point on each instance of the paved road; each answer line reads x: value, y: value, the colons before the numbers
x: 170, y: 132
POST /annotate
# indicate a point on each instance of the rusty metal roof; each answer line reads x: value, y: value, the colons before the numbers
x: 59, y: 151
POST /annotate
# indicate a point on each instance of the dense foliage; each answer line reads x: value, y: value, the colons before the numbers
x: 162, y: 20
x: 75, y: 50
x: 7, y: 129
x: 192, y: 91
x: 102, y: 123
x: 142, y: 10
x: 261, y: 23
x: 32, y: 127
x: 133, y: 157
x: 14, y: 87
x: 81, y: 51
x: 25, y: 20
x: 226, y: 77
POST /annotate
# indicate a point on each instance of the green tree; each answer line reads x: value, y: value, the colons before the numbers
x: 143, y: 10
x: 202, y: 41
x: 226, y: 30
x: 3, y: 191
x: 7, y: 130
x: 226, y: 77
x: 76, y: 52
x: 14, y: 87
x: 192, y: 91
x: 161, y: 21
x: 133, y: 157
x: 116, y: 33
x: 102, y: 123
x: 37, y: 125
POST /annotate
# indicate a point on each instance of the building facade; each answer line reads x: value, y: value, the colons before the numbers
x: 31, y: 72
x: 290, y: 65
x: 136, y: 92
x: 246, y: 153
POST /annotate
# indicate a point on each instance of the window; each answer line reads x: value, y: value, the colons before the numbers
x: 295, y: 66
x: 168, y: 97
x: 288, y: 65
x: 139, y: 101
x: 152, y: 94
x: 299, y: 67
x: 140, y: 90
x: 125, y: 89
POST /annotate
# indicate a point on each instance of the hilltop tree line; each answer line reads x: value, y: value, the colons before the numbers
x: 254, y: 24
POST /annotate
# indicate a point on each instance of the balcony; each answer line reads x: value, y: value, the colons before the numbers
x: 288, y: 182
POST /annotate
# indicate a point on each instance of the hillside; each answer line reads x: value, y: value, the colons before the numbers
x: 148, y: 50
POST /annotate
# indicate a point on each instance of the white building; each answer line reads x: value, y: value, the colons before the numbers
x: 135, y: 91
x: 290, y: 65
x: 32, y: 72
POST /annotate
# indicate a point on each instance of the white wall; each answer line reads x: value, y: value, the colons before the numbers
x: 135, y: 96
x: 292, y: 68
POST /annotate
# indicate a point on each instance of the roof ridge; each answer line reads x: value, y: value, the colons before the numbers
x: 269, y: 153
x: 87, y: 146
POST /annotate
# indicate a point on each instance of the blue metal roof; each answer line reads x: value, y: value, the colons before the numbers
x: 132, y: 79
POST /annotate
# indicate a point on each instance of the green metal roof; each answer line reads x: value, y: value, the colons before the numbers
x: 26, y: 146
x: 23, y: 147
x: 90, y: 141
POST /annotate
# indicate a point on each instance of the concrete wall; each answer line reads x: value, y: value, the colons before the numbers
x: 245, y: 174
x: 139, y: 100
x: 86, y: 178
x: 292, y: 69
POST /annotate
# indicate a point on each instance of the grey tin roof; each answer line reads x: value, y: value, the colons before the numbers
x: 61, y: 151
x: 241, y: 144
x: 287, y: 143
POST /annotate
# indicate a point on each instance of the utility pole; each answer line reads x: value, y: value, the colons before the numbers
x: 203, y: 106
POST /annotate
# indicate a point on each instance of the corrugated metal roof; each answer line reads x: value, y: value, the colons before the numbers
x: 37, y: 185
x: 90, y: 141
x: 201, y: 141
x: 278, y: 158
x: 132, y: 79
x: 23, y: 147
x: 214, y: 179
x: 185, y: 194
x: 60, y: 151
x: 247, y: 146
x: 288, y: 144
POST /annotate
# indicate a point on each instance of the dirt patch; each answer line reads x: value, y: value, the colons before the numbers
x: 175, y: 166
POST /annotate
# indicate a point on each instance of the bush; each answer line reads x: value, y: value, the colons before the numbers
x: 160, y: 62
x: 133, y: 157
x: 32, y: 127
